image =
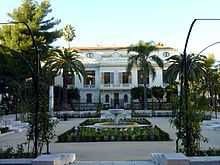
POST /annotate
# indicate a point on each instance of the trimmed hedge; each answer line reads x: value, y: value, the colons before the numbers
x: 93, y: 121
x: 12, y: 153
x: 4, y: 130
x: 85, y: 134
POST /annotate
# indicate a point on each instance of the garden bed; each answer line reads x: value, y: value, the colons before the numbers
x: 85, y: 134
x: 4, y: 130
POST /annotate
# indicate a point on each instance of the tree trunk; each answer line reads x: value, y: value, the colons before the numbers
x: 153, y: 113
x: 48, y: 147
x: 159, y: 104
x: 145, y: 95
x: 216, y: 110
x: 64, y: 104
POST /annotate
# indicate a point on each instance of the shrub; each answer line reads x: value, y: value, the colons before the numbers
x: 114, y: 134
x: 4, y: 130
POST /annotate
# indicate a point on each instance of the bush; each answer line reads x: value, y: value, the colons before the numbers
x: 4, y: 130
x: 210, y: 152
x: 12, y: 153
x: 85, y: 134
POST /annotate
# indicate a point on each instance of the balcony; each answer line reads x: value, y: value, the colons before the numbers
x: 141, y: 85
x: 116, y: 86
x: 89, y: 86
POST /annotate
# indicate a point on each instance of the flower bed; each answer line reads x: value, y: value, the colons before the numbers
x: 85, y: 134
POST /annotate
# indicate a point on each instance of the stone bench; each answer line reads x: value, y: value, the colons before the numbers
x: 16, y: 161
x: 157, y: 158
x: 175, y: 159
x: 55, y: 159
x: 169, y: 159
x: 205, y: 160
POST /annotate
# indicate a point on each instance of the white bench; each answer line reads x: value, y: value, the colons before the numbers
x: 175, y: 159
x: 55, y: 159
x: 205, y: 160
x: 169, y: 159
x: 157, y: 158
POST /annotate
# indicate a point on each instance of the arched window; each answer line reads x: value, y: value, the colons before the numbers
x: 88, y: 98
x: 107, y: 98
x: 125, y: 98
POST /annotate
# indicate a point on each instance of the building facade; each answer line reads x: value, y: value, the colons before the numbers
x: 107, y: 80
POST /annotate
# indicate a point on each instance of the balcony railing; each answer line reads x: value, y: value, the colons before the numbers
x: 116, y: 85
x: 89, y: 85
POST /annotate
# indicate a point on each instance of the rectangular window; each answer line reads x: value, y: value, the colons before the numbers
x: 165, y: 80
x: 88, y: 98
x: 141, y: 77
x: 125, y: 78
x: 69, y: 80
x: 90, y: 78
x: 108, y: 78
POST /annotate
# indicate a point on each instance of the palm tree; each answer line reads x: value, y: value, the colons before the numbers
x: 195, y: 71
x: 69, y: 33
x: 66, y: 62
x: 195, y: 67
x: 211, y: 82
x: 145, y: 61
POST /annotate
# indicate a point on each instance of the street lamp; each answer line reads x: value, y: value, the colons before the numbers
x: 35, y: 76
x: 184, y: 80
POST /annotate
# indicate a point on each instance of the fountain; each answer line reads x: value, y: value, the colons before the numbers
x: 117, y: 115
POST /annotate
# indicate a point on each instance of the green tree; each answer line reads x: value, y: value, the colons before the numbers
x: 144, y: 60
x: 66, y: 62
x: 137, y: 93
x: 16, y: 37
x: 37, y: 17
x: 183, y: 121
x: 158, y: 93
x: 195, y: 67
x: 69, y: 33
x: 211, y: 82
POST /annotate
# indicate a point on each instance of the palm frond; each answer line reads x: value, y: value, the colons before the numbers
x: 157, y: 60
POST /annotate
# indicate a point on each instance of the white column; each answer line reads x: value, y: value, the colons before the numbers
x: 51, y: 100
x: 178, y: 89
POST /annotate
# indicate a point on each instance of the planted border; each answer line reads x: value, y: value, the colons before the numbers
x: 85, y: 134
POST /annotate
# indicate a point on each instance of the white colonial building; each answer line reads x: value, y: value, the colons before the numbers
x: 107, y: 80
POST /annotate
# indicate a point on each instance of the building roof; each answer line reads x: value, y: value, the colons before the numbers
x: 111, y: 48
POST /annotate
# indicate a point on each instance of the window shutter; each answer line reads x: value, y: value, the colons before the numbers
x: 112, y: 77
x: 120, y: 77
x: 129, y: 78
x: 102, y: 77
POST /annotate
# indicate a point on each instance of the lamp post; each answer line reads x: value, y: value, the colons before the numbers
x: 35, y: 76
x: 184, y: 81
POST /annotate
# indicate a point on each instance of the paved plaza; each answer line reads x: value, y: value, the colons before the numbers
x: 106, y: 151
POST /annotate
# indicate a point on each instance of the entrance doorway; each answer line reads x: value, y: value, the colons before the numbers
x: 116, y: 100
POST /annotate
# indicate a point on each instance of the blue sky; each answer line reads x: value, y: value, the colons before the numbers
x: 123, y: 22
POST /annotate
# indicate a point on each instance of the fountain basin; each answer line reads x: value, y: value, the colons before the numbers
x: 116, y: 111
x: 120, y: 125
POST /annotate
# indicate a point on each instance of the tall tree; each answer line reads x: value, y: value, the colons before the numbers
x: 196, y: 68
x: 65, y: 62
x: 158, y: 92
x: 69, y: 33
x: 17, y: 36
x: 144, y: 60
x: 195, y: 72
x: 211, y: 82
x: 36, y: 16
